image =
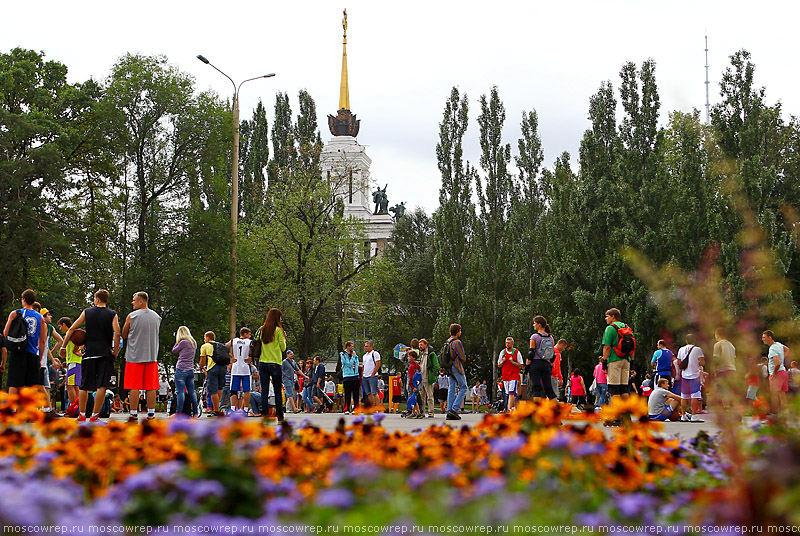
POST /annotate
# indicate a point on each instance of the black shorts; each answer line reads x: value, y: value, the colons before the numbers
x: 162, y: 398
x: 23, y: 369
x: 442, y: 395
x: 216, y: 379
x: 97, y: 372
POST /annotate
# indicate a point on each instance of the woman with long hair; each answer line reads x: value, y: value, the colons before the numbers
x: 185, y: 347
x: 273, y: 344
x: 540, y: 355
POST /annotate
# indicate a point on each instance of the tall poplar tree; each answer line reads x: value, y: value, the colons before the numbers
x: 490, y: 285
x: 254, y: 161
x: 283, y: 142
x: 453, y: 221
x: 527, y: 210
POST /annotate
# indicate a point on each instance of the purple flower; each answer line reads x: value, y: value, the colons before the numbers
x: 284, y: 431
x: 141, y: 481
x: 418, y: 478
x: 378, y: 417
x: 267, y: 486
x: 281, y: 505
x: 592, y: 519
x: 305, y: 423
x: 196, y: 490
x: 488, y: 485
x: 335, y: 498
x: 107, y: 508
x: 559, y: 441
x: 236, y: 416
x: 359, y: 419
x: 506, y: 446
x: 513, y: 504
x: 45, y: 456
x: 586, y: 448
x: 445, y: 470
x: 179, y: 425
x: 635, y: 504
x: 345, y: 468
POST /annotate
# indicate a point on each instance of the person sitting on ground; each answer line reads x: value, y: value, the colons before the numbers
x: 116, y: 407
x: 647, y: 386
x: 662, y: 405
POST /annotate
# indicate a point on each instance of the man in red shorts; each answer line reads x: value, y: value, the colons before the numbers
x: 141, y: 371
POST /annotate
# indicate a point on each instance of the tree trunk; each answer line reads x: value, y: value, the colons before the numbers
x: 495, y: 352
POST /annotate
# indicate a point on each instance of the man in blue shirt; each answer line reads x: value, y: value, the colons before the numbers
x: 23, y: 366
x: 662, y: 362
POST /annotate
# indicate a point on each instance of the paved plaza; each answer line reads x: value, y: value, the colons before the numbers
x: 392, y: 422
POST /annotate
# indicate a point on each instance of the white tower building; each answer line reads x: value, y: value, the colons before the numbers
x: 344, y: 160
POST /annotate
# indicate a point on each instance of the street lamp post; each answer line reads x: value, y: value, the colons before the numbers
x: 234, y: 187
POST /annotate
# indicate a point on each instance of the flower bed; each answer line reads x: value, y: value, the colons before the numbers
x: 532, y: 468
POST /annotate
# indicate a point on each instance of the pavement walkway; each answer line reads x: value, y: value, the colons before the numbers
x: 393, y: 422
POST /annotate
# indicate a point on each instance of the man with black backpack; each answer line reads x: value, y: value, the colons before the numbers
x: 26, y: 339
x: 214, y: 360
x: 619, y: 347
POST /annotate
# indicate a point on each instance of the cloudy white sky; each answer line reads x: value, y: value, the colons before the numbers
x: 404, y: 57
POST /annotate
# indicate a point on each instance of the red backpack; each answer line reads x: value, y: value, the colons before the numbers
x: 626, y: 344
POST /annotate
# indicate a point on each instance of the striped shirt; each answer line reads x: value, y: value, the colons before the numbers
x: 457, y: 353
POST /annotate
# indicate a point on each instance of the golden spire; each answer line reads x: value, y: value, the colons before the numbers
x: 344, y: 92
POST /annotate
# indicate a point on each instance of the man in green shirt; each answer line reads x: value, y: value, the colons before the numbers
x: 619, y: 367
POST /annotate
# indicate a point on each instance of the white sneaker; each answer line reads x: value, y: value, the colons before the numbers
x: 696, y: 418
x: 686, y: 417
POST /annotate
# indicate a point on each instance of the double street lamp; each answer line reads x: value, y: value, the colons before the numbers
x: 234, y: 186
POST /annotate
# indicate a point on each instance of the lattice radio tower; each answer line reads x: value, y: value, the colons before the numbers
x: 708, y: 106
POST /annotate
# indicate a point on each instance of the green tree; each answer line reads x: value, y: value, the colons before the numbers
x: 48, y: 142
x: 490, y: 284
x: 255, y: 159
x: 528, y: 209
x: 306, y: 255
x: 397, y: 296
x: 284, y: 151
x: 173, y: 151
x: 454, y: 218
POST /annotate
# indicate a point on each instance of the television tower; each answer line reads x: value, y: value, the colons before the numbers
x: 708, y: 106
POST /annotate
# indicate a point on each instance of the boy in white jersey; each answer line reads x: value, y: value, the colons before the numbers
x: 240, y: 369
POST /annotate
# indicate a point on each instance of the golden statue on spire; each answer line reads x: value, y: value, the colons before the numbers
x: 344, y: 123
x: 344, y: 91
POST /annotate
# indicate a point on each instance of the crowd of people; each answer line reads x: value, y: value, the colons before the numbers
x: 234, y: 376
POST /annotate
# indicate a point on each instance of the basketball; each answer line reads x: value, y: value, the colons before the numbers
x: 78, y: 337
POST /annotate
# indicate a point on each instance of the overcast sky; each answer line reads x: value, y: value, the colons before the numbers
x: 403, y: 58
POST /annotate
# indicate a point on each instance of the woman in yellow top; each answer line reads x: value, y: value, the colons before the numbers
x: 273, y: 344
